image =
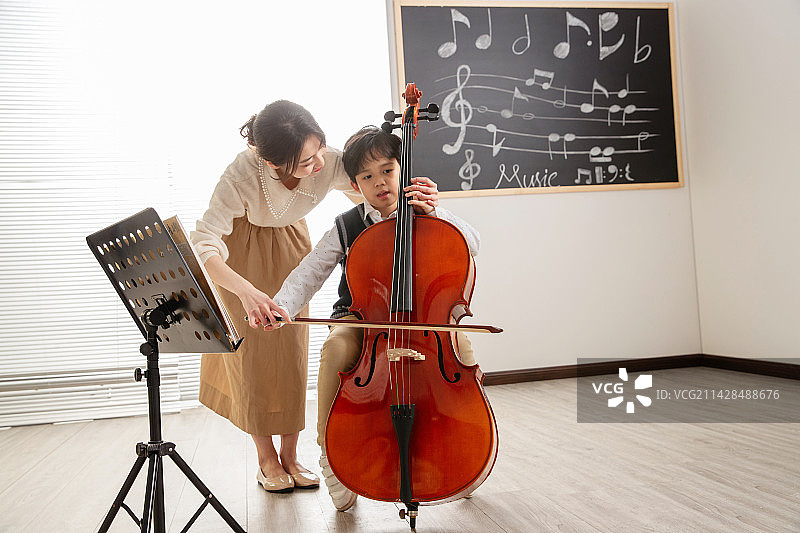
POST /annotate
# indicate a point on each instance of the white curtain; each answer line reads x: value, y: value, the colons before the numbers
x: 106, y: 110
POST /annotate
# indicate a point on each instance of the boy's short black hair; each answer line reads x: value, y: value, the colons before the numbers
x: 367, y: 144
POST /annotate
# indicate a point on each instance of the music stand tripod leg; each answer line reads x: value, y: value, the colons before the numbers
x: 203, y: 489
x: 150, y: 513
x: 123, y: 492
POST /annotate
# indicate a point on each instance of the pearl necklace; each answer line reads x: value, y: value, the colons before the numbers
x: 277, y: 214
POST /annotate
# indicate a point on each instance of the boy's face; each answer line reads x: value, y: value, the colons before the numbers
x: 378, y: 182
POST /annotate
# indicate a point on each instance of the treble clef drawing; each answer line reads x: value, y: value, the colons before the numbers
x: 469, y: 170
x: 463, y: 107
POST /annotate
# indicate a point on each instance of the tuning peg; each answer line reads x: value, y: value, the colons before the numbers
x: 388, y: 126
x: 390, y: 116
x: 433, y: 109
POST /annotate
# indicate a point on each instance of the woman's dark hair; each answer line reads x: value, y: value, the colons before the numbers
x: 367, y: 144
x: 279, y: 133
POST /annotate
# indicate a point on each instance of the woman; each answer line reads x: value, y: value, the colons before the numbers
x: 252, y: 235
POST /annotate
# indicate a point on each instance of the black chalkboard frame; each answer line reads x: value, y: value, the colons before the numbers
x: 540, y: 183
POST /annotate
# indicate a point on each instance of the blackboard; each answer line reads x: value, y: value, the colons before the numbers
x: 542, y: 97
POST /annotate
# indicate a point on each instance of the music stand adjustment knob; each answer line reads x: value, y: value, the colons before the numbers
x: 146, y: 350
x: 138, y: 374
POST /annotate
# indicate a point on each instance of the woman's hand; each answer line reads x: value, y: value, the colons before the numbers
x: 261, y: 309
x: 276, y: 311
x: 424, y: 195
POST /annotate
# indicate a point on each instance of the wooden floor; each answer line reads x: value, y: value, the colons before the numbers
x: 552, y: 474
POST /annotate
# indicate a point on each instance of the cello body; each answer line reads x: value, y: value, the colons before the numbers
x: 453, y: 441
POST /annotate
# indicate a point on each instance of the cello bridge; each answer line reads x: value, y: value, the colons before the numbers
x: 395, y: 354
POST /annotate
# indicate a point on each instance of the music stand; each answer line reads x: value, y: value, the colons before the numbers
x: 159, y: 286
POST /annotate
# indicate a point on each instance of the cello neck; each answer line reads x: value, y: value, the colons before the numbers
x: 402, y: 273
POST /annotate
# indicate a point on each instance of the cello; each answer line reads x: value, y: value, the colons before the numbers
x: 410, y: 423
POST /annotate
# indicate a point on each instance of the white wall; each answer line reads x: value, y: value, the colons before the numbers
x: 741, y: 75
x: 601, y: 274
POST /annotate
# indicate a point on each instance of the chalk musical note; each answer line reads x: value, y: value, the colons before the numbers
x: 469, y: 170
x: 462, y: 105
x: 546, y: 74
x: 554, y: 137
x: 611, y: 110
x: 449, y: 48
x: 491, y: 128
x: 613, y: 169
x: 647, y: 47
x: 599, y: 174
x: 526, y: 37
x: 643, y: 136
x: 484, y: 41
x: 586, y: 174
x: 561, y: 103
x: 596, y: 155
x: 508, y: 113
x: 622, y: 93
x: 587, y: 107
x: 618, y: 173
x: 607, y: 21
x: 562, y: 49
x: 627, y: 110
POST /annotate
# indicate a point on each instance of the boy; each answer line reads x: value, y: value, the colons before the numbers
x: 372, y: 160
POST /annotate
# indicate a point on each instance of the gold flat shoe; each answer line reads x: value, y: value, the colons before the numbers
x: 282, y: 483
x: 305, y: 480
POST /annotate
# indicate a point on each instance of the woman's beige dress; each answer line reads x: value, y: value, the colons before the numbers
x: 262, y: 387
x: 256, y: 226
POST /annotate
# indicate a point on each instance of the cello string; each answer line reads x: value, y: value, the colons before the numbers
x: 407, y: 227
x: 408, y: 258
x: 391, y: 339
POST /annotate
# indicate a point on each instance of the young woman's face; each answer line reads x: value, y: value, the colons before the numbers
x: 311, y: 158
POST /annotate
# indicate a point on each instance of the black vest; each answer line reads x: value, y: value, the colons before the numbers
x: 349, y: 225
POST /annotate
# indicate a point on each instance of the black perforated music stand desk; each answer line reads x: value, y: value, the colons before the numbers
x: 154, y: 280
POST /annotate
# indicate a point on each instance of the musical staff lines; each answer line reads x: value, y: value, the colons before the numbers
x: 635, y: 141
x: 585, y: 105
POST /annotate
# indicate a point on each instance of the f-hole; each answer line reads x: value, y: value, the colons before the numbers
x: 456, y: 375
x: 372, y: 357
